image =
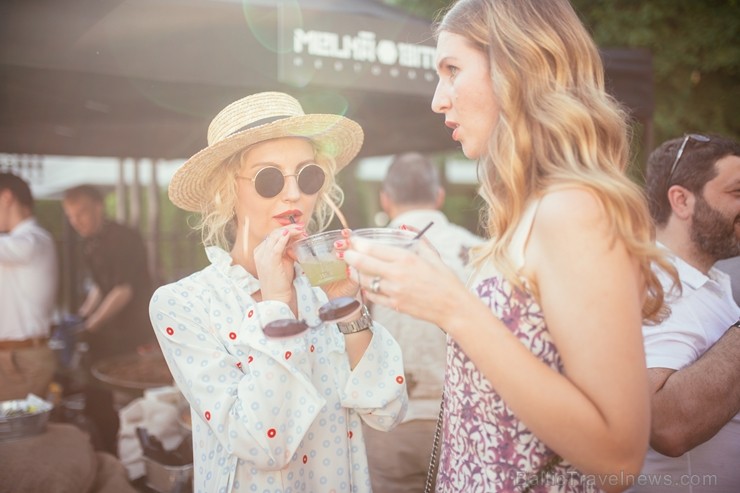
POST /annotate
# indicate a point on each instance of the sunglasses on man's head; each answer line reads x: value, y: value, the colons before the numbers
x: 697, y: 137
x: 270, y: 180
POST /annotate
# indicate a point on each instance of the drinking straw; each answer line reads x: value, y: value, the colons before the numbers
x: 339, y: 214
x: 422, y: 231
x: 419, y: 234
x: 310, y: 248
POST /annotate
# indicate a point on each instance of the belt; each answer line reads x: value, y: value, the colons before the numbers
x: 24, y: 344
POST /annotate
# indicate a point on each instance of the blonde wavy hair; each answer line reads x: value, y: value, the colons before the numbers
x: 557, y: 128
x: 218, y: 218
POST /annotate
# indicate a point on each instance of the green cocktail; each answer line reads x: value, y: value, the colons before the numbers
x: 324, y: 271
x: 318, y: 258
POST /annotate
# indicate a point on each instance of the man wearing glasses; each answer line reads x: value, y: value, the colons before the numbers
x: 693, y: 356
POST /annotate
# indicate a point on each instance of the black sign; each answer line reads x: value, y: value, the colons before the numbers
x: 357, y: 52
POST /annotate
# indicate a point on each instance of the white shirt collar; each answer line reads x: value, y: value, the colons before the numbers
x: 419, y: 217
x: 693, y: 277
x: 223, y: 263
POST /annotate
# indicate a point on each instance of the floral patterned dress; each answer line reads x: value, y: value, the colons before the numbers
x: 485, y: 448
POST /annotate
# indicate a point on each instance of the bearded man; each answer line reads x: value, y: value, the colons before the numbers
x: 693, y: 356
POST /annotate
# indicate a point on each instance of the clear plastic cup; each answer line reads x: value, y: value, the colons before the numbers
x: 388, y: 236
x: 318, y: 259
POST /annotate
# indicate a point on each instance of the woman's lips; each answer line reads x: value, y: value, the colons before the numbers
x: 289, y: 217
x: 455, y: 127
x: 283, y: 221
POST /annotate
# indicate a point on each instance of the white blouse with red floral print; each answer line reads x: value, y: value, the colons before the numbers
x: 272, y: 415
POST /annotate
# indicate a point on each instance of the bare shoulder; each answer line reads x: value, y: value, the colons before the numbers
x: 572, y: 207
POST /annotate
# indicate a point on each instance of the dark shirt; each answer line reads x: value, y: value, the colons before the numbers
x: 115, y: 256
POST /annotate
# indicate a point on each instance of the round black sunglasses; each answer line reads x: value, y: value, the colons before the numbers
x: 330, y: 312
x: 270, y: 180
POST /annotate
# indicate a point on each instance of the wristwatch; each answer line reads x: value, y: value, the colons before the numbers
x: 362, y: 323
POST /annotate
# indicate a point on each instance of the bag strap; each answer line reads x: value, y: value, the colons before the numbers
x: 435, y: 449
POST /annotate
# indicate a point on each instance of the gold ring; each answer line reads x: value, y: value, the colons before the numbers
x: 375, y: 285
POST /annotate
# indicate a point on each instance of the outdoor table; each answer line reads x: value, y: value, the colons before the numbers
x: 133, y: 373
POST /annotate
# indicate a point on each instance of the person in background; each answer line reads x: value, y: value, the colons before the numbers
x: 115, y: 311
x: 272, y: 414
x: 412, y: 196
x: 114, y: 314
x: 546, y: 386
x: 28, y: 287
x: 693, y: 357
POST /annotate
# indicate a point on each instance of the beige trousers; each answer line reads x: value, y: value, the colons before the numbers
x: 24, y: 371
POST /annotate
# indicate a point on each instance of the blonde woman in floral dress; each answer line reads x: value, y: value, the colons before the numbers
x: 546, y: 386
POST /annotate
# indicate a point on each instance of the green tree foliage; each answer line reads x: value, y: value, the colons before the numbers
x: 695, y: 48
x: 696, y: 57
x: 422, y: 8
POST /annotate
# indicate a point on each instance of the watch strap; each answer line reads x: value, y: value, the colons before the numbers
x: 362, y: 323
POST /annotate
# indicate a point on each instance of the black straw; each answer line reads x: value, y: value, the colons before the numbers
x: 424, y: 230
x: 419, y: 234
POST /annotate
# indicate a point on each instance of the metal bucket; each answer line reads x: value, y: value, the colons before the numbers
x: 23, y: 417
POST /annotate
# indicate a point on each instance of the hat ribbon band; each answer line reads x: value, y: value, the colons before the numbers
x: 259, y: 123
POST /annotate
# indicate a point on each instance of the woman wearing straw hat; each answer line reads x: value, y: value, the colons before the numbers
x: 275, y: 414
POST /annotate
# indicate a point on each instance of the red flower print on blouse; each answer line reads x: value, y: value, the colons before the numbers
x: 232, y: 335
x: 271, y: 433
x: 170, y: 330
x: 399, y: 379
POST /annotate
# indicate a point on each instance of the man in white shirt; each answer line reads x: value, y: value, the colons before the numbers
x: 28, y: 287
x: 693, y: 357
x: 411, y: 195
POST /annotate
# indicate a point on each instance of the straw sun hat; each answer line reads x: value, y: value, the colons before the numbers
x: 256, y: 118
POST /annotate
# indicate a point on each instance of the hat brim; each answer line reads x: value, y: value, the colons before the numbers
x: 335, y: 135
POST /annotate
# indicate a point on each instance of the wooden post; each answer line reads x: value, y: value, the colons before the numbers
x: 121, y: 193
x: 70, y: 272
x: 135, y: 198
x: 153, y: 223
